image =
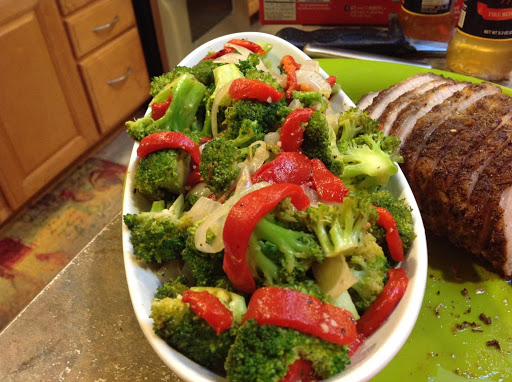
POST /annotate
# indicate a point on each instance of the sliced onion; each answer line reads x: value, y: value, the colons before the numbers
x: 272, y: 137
x: 223, y: 91
x: 202, y: 208
x: 256, y: 160
x: 295, y: 104
x: 314, y: 81
x: 310, y: 65
x: 332, y: 120
x: 314, y: 197
x: 170, y: 270
x: 261, y: 66
x: 240, y: 49
x: 281, y: 79
x: 229, y: 58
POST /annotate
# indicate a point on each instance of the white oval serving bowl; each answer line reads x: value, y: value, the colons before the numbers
x: 376, y: 352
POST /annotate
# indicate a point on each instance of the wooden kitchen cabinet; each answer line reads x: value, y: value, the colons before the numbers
x: 64, y: 87
x: 45, y: 118
x: 98, y: 23
x: 5, y: 211
x: 117, y: 79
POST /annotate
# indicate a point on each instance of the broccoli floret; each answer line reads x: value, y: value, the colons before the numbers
x: 191, y: 335
x: 202, y: 71
x: 260, y: 117
x: 370, y: 267
x: 187, y: 94
x: 341, y: 228
x: 219, y: 164
x: 172, y: 288
x: 401, y: 213
x: 280, y: 255
x: 368, y: 160
x: 265, y: 352
x: 162, y: 174
x: 354, y: 122
x: 205, y: 268
x: 290, y: 217
x: 158, y: 83
x: 158, y: 235
x: 311, y: 99
x: 248, y: 64
x: 320, y: 142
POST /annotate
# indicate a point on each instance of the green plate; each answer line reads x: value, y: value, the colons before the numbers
x: 451, y: 340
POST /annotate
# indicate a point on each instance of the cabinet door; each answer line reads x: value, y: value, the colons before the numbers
x: 45, y: 119
x: 5, y: 211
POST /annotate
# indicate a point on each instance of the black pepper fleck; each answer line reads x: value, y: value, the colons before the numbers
x: 494, y: 343
x: 485, y: 319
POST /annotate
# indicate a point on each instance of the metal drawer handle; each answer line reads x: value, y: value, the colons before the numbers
x: 106, y: 26
x: 122, y: 78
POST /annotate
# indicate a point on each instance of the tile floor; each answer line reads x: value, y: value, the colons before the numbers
x: 118, y: 150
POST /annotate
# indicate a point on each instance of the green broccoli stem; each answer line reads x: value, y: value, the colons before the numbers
x: 288, y: 241
x: 266, y: 266
x: 188, y: 94
x: 158, y: 206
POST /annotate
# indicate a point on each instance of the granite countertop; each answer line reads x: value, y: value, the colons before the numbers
x: 94, y: 335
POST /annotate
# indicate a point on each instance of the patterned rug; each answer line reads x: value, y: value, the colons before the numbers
x: 44, y: 239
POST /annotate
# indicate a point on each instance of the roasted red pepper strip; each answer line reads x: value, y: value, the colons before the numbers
x: 222, y: 52
x: 289, y: 308
x: 194, y: 177
x: 329, y: 186
x: 292, y: 132
x: 291, y: 167
x: 169, y: 140
x: 208, y: 307
x: 382, y: 307
x: 158, y: 109
x: 331, y: 80
x: 252, y: 46
x: 393, y: 239
x: 290, y: 67
x: 301, y: 370
x: 240, y: 222
x: 245, y: 88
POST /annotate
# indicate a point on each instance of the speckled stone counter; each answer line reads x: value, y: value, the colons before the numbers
x: 82, y: 327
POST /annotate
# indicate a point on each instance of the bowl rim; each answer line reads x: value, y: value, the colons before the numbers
x: 375, y: 353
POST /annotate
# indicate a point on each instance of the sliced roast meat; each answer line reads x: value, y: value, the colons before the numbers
x: 407, y: 118
x: 500, y: 243
x: 464, y: 159
x: 388, y: 116
x: 424, y: 127
x: 366, y: 100
x: 449, y: 146
x: 480, y: 213
x: 385, y: 97
x: 457, y: 149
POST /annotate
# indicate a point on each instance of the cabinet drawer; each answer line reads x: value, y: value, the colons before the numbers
x: 117, y: 79
x: 69, y: 6
x: 101, y: 21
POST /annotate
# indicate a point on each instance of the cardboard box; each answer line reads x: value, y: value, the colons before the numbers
x: 369, y: 12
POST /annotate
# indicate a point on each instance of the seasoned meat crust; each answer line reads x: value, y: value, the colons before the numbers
x: 457, y: 148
